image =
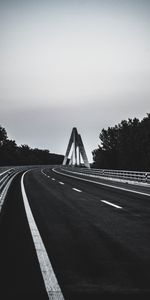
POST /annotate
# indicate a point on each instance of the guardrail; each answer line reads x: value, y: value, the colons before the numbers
x: 120, y: 174
x: 7, y: 175
x: 6, y: 178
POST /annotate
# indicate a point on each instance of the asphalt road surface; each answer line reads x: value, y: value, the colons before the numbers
x: 96, y: 238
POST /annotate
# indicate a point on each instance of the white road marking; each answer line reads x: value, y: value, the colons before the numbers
x: 109, y: 203
x: 77, y: 190
x: 61, y: 182
x: 100, y: 183
x: 53, y: 179
x: 51, y: 284
x: 43, y: 173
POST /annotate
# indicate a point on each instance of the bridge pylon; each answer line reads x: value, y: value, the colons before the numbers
x: 76, y: 145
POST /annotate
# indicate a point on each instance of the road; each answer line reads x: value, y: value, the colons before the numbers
x: 96, y: 238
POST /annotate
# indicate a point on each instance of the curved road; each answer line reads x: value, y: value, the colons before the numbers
x: 96, y: 238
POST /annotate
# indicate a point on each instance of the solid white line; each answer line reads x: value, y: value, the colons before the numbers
x: 50, y: 281
x: 104, y: 184
x: 77, y: 190
x: 61, y: 182
x: 109, y: 203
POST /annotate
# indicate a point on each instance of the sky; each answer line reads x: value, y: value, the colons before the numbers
x: 66, y: 64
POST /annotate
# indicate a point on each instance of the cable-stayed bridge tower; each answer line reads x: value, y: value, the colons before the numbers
x: 78, y: 150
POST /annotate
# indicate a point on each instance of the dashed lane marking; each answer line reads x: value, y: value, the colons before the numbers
x: 77, y: 190
x: 43, y: 173
x: 53, y: 179
x: 109, y: 203
x: 61, y: 182
x: 51, y: 284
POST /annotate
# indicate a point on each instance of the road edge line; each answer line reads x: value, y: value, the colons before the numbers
x: 50, y: 281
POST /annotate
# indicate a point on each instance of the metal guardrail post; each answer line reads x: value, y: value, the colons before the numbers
x: 146, y: 177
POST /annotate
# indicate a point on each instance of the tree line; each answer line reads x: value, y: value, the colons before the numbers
x: 11, y: 154
x: 125, y: 146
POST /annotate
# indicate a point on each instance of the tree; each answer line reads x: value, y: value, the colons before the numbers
x: 125, y: 146
x: 11, y: 154
x: 3, y: 135
x: 144, y: 143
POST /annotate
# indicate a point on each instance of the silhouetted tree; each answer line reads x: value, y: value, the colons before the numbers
x: 11, y: 154
x: 3, y: 135
x: 125, y: 146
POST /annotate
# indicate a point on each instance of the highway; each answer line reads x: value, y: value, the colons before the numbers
x: 66, y: 236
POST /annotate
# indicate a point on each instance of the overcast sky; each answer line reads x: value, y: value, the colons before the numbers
x: 66, y: 63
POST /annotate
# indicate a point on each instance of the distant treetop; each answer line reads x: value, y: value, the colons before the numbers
x: 125, y: 146
x: 11, y: 154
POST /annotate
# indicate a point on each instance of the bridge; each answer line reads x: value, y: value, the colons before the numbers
x: 78, y: 150
x: 68, y: 232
